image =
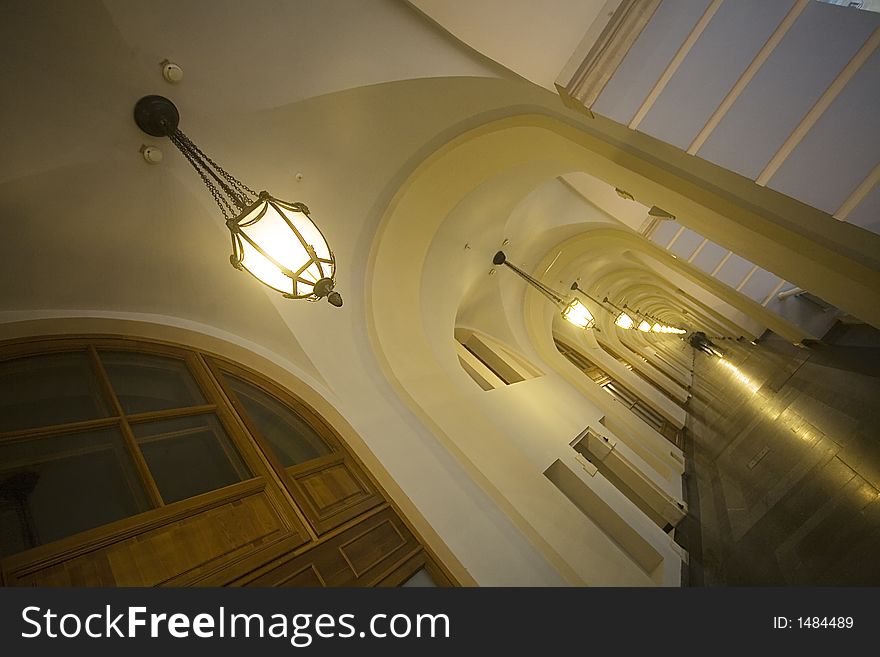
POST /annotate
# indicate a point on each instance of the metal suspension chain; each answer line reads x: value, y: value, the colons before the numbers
x: 230, y: 194
x: 242, y: 189
x: 221, y: 201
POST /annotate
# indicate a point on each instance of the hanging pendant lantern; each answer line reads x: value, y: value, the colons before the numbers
x: 273, y: 240
x: 277, y: 243
x: 573, y: 311
x: 624, y: 321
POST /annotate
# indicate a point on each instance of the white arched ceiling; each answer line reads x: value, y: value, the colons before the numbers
x: 93, y: 228
x: 622, y: 272
x: 603, y: 196
x: 534, y: 39
x: 737, y: 309
x: 269, y: 53
x: 77, y: 96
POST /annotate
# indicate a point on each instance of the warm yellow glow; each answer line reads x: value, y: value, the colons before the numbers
x: 662, y: 328
x: 280, y: 246
x: 738, y: 375
x: 624, y: 321
x: 264, y: 270
x: 576, y: 313
x: 644, y: 327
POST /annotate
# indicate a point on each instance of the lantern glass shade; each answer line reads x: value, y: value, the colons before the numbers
x: 624, y: 321
x: 645, y: 327
x: 577, y: 313
x: 278, y: 244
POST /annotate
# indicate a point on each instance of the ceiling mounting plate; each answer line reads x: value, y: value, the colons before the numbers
x: 156, y: 115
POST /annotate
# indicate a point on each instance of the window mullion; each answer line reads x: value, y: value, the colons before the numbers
x: 250, y: 440
x: 171, y: 413
x: 215, y: 393
x: 53, y: 429
x: 143, y: 470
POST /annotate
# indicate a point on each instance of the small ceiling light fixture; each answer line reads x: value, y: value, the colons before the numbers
x: 573, y: 311
x: 273, y: 240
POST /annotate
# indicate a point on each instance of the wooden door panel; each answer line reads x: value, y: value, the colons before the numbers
x: 368, y: 548
x: 331, y: 491
x: 363, y: 555
x: 178, y: 548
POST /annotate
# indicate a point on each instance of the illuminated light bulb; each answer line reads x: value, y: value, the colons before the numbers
x: 279, y: 245
x: 624, y: 321
x: 577, y: 313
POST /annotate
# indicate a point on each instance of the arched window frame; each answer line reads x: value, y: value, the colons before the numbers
x: 306, y: 526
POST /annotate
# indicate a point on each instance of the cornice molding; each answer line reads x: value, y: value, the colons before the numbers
x: 603, y: 59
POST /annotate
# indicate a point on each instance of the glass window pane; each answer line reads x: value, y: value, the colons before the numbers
x: 59, y: 485
x: 189, y: 455
x: 619, y: 394
x: 648, y: 416
x: 145, y: 382
x: 421, y: 578
x: 39, y: 391
x: 292, y: 439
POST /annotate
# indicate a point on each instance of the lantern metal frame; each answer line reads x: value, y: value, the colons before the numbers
x: 157, y: 116
x: 577, y: 290
x: 561, y: 302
